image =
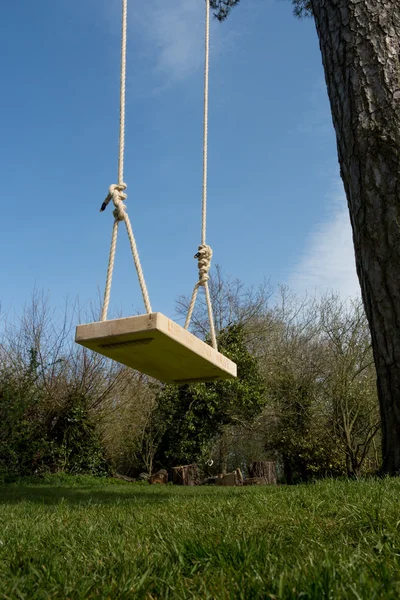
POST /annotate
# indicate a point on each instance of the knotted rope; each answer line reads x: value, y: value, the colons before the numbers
x: 204, y: 257
x: 204, y: 254
x: 117, y: 191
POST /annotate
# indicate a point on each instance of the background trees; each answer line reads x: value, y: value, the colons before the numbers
x: 51, y: 395
x: 196, y: 415
x: 350, y: 382
x: 359, y: 41
x: 305, y: 395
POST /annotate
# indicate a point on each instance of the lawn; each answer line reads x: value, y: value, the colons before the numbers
x: 80, y: 537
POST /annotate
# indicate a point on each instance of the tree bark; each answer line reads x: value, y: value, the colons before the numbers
x: 186, y: 475
x: 263, y: 469
x: 360, y: 45
x: 223, y: 452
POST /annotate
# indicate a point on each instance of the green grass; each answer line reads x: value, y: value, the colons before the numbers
x: 85, y: 538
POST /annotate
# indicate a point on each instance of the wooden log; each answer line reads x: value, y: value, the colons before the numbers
x: 254, y: 481
x: 230, y: 479
x: 159, y: 477
x: 186, y: 475
x: 264, y: 469
x: 239, y: 477
x: 123, y: 478
x: 209, y: 481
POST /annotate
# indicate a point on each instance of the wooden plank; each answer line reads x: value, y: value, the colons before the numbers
x: 155, y: 345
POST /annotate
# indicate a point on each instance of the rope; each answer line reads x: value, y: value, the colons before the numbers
x: 117, y: 191
x: 117, y: 195
x: 205, y: 121
x: 204, y: 254
x: 122, y: 93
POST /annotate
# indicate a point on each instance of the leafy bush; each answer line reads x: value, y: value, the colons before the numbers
x: 195, y: 414
x: 36, y: 440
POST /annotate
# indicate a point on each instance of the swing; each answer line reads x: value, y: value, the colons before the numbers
x: 152, y: 343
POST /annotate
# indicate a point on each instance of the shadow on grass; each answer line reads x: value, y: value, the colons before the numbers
x: 89, y: 495
x: 50, y: 494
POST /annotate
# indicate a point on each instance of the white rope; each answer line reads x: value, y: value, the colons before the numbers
x: 204, y: 254
x: 205, y: 123
x: 122, y: 93
x: 117, y: 191
x: 110, y: 270
x: 117, y: 195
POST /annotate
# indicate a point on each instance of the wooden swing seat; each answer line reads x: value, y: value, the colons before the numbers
x: 155, y: 345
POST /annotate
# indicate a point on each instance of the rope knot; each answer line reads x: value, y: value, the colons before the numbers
x: 117, y: 195
x: 204, y: 256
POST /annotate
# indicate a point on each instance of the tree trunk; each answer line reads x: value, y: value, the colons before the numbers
x: 288, y: 471
x: 263, y: 469
x: 223, y: 452
x: 360, y: 41
x: 186, y: 475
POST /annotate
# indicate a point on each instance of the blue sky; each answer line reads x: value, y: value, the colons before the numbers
x: 276, y: 205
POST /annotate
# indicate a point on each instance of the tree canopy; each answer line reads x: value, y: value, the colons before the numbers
x: 222, y: 8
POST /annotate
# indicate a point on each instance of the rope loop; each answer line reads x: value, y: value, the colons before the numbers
x: 204, y: 256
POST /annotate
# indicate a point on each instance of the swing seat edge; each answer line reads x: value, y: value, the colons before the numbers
x: 157, y: 346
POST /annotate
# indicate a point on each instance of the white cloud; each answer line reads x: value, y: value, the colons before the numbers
x: 169, y: 34
x: 327, y: 263
x: 172, y: 34
x: 175, y: 31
